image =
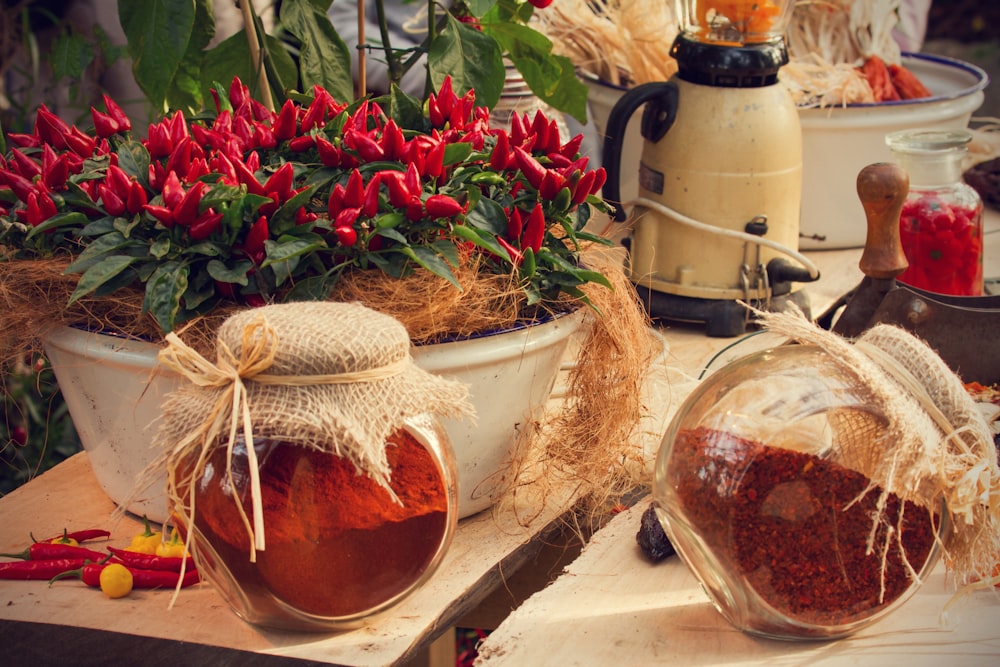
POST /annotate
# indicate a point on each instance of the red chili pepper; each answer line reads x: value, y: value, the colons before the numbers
x: 532, y: 169
x: 393, y: 142
x: 281, y: 181
x: 20, y: 185
x: 205, y: 225
x: 534, y: 229
x: 256, y: 237
x: 80, y: 143
x: 104, y: 125
x: 133, y: 559
x: 39, y: 569
x: 300, y: 144
x: 55, y: 551
x: 284, y: 124
x: 368, y: 149
x: 187, y: 211
x: 346, y: 236
x: 572, y: 147
x: 40, y: 208
x: 552, y: 183
x: 434, y: 164
x: 161, y: 213
x: 515, y: 255
x: 55, y: 168
x: 369, y: 205
x: 25, y: 165
x: 158, y: 141
x: 354, y: 192
x: 117, y: 114
x: 83, y: 535
x: 515, y: 225
x: 246, y: 176
x: 50, y: 128
x: 90, y: 574
x: 113, y: 204
x: 443, y: 206
x: 399, y: 194
x: 180, y: 158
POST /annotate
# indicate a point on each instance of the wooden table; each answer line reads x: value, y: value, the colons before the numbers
x: 611, y: 606
x: 68, y: 623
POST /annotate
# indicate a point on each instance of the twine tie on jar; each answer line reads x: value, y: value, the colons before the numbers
x: 259, y: 345
x: 978, y: 476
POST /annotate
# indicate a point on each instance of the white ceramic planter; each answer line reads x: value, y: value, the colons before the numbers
x: 113, y: 390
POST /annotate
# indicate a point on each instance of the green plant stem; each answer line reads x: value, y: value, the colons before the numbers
x: 250, y: 27
x: 396, y: 69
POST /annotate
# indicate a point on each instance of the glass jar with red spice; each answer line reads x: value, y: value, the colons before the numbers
x: 774, y: 514
x: 340, y: 548
x: 941, y: 224
x: 309, y: 467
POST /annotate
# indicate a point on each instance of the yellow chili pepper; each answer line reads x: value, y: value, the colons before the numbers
x: 116, y: 580
x: 173, y: 548
x: 64, y: 539
x: 147, y: 541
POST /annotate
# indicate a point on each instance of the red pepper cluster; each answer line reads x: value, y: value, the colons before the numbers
x: 249, y: 202
x: 943, y: 244
x: 63, y: 556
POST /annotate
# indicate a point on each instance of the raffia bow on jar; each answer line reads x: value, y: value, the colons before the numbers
x: 313, y: 438
x: 936, y: 447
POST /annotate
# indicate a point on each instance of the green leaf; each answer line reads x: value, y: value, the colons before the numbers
x: 65, y: 219
x: 488, y: 216
x: 100, y: 273
x: 324, y: 58
x: 480, y: 238
x: 226, y: 274
x: 133, y: 158
x: 472, y: 58
x: 70, y: 55
x: 431, y: 261
x: 98, y: 249
x: 447, y: 249
x: 551, y: 77
x: 164, y: 290
x: 158, y: 32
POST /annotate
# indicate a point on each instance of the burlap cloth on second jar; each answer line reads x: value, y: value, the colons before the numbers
x: 335, y: 377
x: 936, y: 445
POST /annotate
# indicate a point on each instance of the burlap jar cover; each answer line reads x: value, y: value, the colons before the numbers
x: 935, y: 447
x: 331, y: 376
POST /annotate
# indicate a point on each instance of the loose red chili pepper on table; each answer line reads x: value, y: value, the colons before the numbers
x: 141, y: 561
x: 90, y: 574
x: 33, y: 570
x: 55, y: 551
x: 80, y: 535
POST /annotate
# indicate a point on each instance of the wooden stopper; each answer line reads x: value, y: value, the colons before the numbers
x: 882, y: 188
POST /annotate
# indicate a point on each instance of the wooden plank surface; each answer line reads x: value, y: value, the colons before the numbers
x: 68, y: 496
x: 612, y: 606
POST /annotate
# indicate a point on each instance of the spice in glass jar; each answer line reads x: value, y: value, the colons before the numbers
x: 941, y: 224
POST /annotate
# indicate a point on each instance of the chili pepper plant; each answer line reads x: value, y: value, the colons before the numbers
x: 247, y: 206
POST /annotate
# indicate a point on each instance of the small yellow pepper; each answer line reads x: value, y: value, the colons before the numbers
x: 64, y: 539
x: 147, y: 541
x: 173, y: 548
x: 116, y: 580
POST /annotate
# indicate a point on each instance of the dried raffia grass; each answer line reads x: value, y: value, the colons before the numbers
x: 934, y: 446
x: 593, y: 441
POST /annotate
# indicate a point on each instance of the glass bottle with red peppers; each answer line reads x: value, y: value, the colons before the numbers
x: 941, y: 224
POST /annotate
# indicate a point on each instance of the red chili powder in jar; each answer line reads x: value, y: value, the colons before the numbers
x: 784, y: 521
x: 337, y: 543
